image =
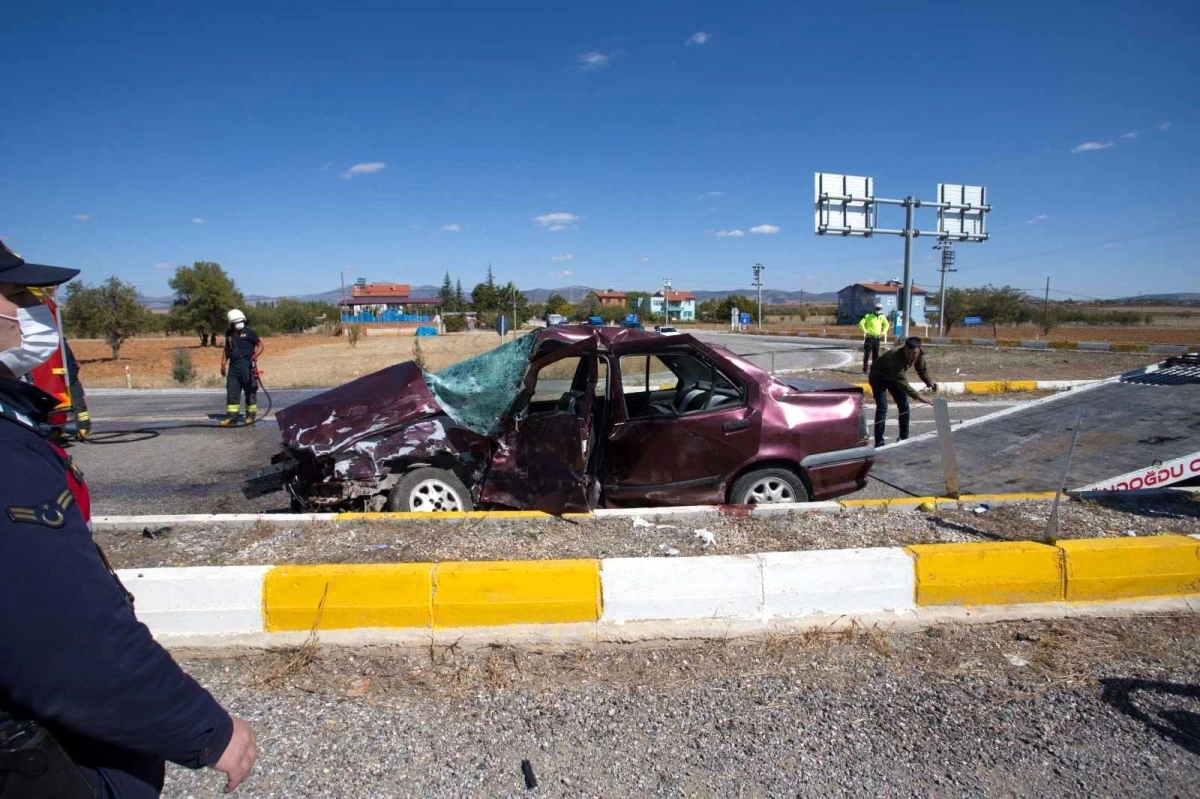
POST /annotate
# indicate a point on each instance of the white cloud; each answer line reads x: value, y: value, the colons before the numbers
x: 1164, y: 125
x: 565, y: 258
x: 1033, y: 220
x: 1111, y: 244
x: 765, y: 230
x: 162, y: 265
x: 644, y: 258
x: 452, y: 228
x: 1131, y: 135
x: 563, y: 273
x: 554, y: 222
x: 1092, y: 146
x: 83, y: 217
x: 708, y: 195
x: 700, y: 37
x: 593, y: 61
x: 328, y: 166
x: 197, y: 220
x: 367, y: 168
x: 729, y: 234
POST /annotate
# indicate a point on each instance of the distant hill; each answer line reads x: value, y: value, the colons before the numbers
x: 1183, y: 296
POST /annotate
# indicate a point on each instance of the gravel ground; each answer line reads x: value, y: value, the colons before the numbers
x: 990, y: 363
x: 1083, y: 707
x: 503, y: 539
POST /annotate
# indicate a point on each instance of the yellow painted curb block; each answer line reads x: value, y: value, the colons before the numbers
x: 1000, y: 573
x: 1125, y: 568
x: 885, y: 503
x: 516, y: 592
x: 364, y: 595
x: 1014, y: 497
x: 998, y: 386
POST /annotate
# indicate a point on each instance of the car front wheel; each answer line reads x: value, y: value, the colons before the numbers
x: 429, y: 490
x: 768, y: 487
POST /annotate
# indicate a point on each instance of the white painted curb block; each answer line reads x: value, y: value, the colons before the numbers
x: 642, y: 589
x: 837, y: 581
x: 198, y: 600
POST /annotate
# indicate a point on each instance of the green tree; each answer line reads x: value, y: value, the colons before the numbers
x: 446, y: 294
x: 557, y: 304
x: 110, y: 311
x: 588, y: 306
x: 203, y: 295
x: 719, y: 310
x: 485, y: 298
x: 460, y: 302
x: 954, y: 307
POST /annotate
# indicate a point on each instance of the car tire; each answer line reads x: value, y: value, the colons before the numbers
x: 768, y: 487
x: 429, y: 490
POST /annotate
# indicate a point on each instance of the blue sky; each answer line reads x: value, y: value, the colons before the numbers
x: 596, y: 145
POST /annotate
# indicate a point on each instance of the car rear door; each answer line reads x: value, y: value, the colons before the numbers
x: 682, y: 458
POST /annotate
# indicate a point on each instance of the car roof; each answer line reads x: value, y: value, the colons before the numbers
x: 606, y: 337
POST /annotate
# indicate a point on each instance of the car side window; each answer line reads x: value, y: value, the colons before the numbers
x: 676, y: 383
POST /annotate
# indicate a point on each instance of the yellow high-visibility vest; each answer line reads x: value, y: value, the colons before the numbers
x: 873, y: 325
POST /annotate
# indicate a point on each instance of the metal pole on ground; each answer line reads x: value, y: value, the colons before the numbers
x: 1051, y: 531
x: 945, y: 437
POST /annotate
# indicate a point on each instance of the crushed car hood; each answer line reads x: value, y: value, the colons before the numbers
x: 800, y: 384
x: 389, y: 398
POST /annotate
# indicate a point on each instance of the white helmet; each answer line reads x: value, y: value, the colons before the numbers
x: 235, y: 316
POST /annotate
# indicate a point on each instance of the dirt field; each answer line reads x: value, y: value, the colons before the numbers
x: 953, y: 364
x: 1166, y: 329
x: 288, y: 362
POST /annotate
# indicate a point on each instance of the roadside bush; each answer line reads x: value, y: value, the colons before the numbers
x: 454, y: 324
x: 182, y: 370
x: 354, y: 334
x: 419, y: 356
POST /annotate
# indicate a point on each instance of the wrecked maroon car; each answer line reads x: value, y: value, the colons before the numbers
x: 567, y: 419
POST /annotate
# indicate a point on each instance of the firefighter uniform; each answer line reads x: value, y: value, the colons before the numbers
x: 874, y: 327
x: 83, y: 419
x: 240, y: 380
x: 75, y: 658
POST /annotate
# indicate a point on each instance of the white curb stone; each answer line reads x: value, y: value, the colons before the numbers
x: 640, y: 589
x: 837, y: 581
x: 198, y: 600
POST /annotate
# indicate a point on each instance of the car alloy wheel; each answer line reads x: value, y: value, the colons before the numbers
x: 434, y: 496
x: 768, y: 491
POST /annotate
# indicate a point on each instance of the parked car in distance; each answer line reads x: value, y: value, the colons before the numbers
x: 555, y: 319
x: 595, y: 321
x: 667, y: 330
x: 569, y: 418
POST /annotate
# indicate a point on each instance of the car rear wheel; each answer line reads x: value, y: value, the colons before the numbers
x: 768, y: 487
x: 429, y: 490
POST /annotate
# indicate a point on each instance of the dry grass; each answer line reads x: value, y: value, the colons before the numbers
x: 288, y: 361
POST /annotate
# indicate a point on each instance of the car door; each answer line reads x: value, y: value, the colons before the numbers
x: 539, y: 458
x: 687, y: 455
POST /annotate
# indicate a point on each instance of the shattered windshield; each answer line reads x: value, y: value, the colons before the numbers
x: 475, y: 392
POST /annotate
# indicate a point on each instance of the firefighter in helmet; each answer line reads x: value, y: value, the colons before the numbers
x: 239, y: 367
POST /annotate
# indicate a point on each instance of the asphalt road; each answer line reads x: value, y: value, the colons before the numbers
x: 1078, y: 708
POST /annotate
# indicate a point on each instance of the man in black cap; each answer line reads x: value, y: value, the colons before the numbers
x: 76, y: 666
x: 888, y: 377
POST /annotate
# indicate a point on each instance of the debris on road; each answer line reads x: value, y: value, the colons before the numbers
x: 155, y: 534
x: 707, y: 537
x: 527, y: 772
x: 669, y: 551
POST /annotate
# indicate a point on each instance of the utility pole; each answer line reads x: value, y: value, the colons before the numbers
x: 342, y: 309
x: 947, y: 248
x: 758, y: 285
x: 666, y: 300
x: 514, y: 299
x: 1046, y: 308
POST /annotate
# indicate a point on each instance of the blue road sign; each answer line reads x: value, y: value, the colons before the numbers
x: 745, y: 320
x: 970, y: 321
x: 502, y: 325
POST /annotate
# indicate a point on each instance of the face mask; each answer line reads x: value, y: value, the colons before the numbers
x: 39, y: 340
x: 238, y: 325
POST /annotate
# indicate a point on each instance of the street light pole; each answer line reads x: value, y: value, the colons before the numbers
x: 947, y: 249
x: 910, y: 205
x: 758, y: 284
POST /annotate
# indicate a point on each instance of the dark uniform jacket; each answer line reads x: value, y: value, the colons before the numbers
x: 72, y: 653
x: 240, y: 344
x: 891, y: 367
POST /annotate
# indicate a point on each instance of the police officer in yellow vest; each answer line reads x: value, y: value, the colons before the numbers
x: 874, y: 327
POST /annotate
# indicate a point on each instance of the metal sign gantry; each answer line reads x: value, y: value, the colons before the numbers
x: 846, y: 205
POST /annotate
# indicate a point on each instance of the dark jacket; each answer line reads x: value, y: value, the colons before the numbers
x: 240, y: 344
x: 72, y: 653
x: 892, y: 366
